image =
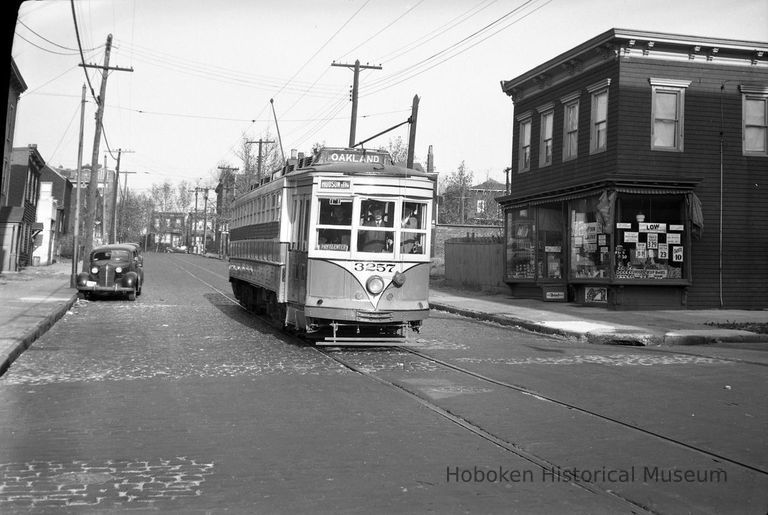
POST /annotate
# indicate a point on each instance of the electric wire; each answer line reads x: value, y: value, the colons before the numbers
x: 383, y: 86
x: 382, y: 29
x: 74, y: 50
x: 442, y: 29
x: 393, y: 76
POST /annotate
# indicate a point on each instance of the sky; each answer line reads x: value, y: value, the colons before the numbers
x: 203, y: 73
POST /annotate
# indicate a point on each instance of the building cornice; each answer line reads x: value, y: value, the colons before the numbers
x: 617, y: 44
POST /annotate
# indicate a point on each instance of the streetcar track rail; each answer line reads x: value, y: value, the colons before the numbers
x: 332, y: 353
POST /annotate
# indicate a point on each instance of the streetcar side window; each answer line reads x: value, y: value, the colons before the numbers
x: 334, y: 227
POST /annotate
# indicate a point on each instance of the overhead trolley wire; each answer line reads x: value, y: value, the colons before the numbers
x: 413, y: 71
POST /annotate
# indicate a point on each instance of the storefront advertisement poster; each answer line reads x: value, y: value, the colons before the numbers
x: 652, y: 227
x: 630, y: 237
x: 640, y: 251
x: 623, y: 225
x: 596, y: 295
x: 677, y: 253
x: 601, y: 240
x: 675, y: 227
x: 673, y: 238
x: 653, y: 241
x: 663, y: 251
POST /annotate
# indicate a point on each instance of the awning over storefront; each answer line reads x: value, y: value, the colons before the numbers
x: 641, y: 186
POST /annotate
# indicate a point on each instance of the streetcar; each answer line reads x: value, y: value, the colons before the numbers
x: 335, y: 246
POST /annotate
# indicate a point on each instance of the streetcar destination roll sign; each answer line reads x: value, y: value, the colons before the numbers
x: 348, y: 155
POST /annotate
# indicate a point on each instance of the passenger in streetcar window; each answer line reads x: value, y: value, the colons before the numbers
x: 411, y: 218
x: 376, y: 241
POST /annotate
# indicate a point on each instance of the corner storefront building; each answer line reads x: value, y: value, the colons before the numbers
x: 639, y: 174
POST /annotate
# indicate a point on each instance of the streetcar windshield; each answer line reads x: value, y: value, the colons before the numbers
x: 335, y: 224
x: 377, y: 220
x: 379, y: 226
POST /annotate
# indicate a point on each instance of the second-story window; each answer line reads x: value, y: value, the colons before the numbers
x: 598, y: 133
x: 545, y: 139
x: 524, y: 159
x: 755, y: 120
x: 570, y: 126
x: 668, y: 102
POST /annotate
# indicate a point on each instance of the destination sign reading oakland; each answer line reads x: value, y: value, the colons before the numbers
x: 353, y: 156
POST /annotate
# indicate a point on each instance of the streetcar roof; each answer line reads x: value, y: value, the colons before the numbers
x: 359, y: 169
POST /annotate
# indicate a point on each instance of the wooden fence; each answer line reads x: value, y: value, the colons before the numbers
x: 475, y: 263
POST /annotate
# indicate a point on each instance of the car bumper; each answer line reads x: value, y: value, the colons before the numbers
x: 105, y: 289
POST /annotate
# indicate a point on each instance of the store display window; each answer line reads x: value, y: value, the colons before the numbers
x: 550, y: 245
x: 650, y: 237
x: 590, y: 240
x: 521, y: 237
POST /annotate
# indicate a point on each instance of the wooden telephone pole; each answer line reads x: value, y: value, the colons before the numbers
x: 90, y: 219
x: 258, y: 162
x: 356, y: 68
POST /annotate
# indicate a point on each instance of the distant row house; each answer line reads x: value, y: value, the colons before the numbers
x: 37, y: 201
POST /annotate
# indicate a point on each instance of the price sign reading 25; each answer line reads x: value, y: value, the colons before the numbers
x: 374, y: 267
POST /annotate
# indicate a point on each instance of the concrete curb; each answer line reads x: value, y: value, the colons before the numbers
x: 18, y: 345
x: 506, y: 320
x: 618, y: 336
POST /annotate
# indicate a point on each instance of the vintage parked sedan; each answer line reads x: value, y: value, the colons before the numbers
x: 113, y: 270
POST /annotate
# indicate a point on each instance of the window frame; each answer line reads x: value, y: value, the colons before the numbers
x: 754, y: 93
x: 570, y: 102
x: 596, y: 90
x: 677, y: 88
x: 546, y: 134
x: 524, y: 142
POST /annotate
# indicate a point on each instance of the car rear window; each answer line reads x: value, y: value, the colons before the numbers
x: 113, y: 255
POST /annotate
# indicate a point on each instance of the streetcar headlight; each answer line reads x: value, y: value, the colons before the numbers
x: 375, y: 284
x: 119, y: 270
x: 94, y: 270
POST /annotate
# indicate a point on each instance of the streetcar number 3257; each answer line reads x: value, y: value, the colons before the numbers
x: 374, y: 267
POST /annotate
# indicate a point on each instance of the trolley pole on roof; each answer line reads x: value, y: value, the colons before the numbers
x: 355, y: 82
x: 412, y: 132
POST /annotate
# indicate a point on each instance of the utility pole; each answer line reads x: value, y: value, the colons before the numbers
x: 205, y: 221
x: 258, y: 162
x: 92, y: 184
x: 104, y: 233
x: 355, y: 82
x: 113, y: 239
x: 205, y: 213
x: 76, y: 249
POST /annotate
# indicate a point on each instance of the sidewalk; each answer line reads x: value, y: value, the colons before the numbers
x: 601, y: 326
x: 32, y: 300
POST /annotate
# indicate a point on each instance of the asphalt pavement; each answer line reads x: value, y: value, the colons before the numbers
x: 32, y: 300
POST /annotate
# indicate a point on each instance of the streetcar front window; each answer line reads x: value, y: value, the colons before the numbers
x: 375, y: 218
x: 334, y: 229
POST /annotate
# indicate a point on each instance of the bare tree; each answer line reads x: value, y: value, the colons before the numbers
x: 164, y: 196
x: 453, y: 199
